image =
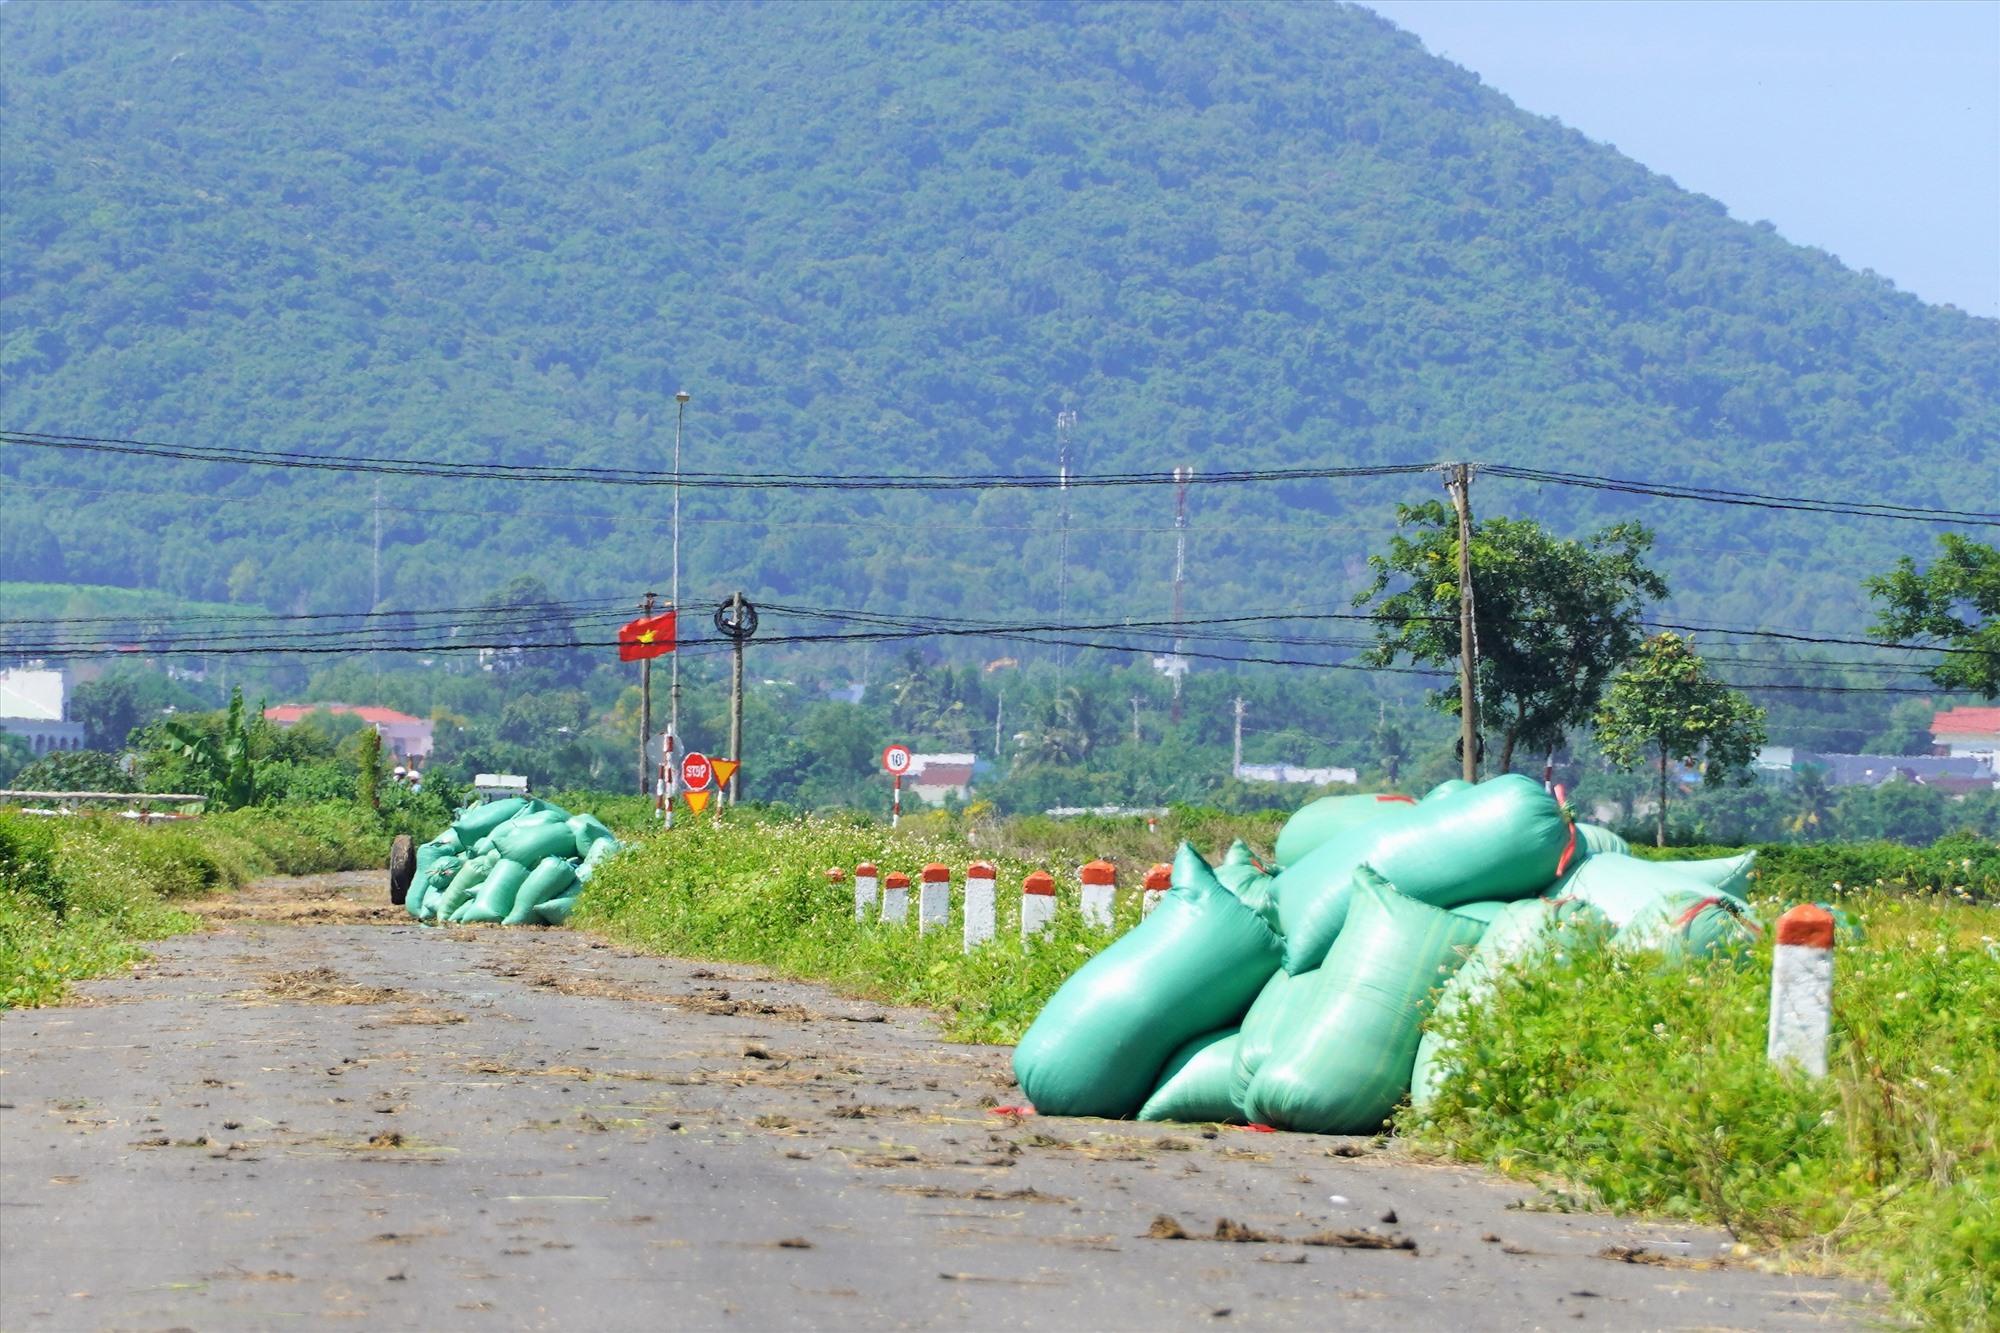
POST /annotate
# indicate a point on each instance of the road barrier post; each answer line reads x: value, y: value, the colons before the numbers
x: 896, y: 897
x: 933, y: 898
x: 1100, y: 879
x: 865, y: 879
x: 979, y: 899
x: 1802, y: 990
x: 1038, y: 903
x: 1158, y: 880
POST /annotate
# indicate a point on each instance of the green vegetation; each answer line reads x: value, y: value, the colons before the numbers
x: 1635, y: 1087
x: 1956, y: 603
x: 879, y: 236
x: 1666, y: 701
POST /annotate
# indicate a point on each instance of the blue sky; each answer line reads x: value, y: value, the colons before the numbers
x: 1868, y: 128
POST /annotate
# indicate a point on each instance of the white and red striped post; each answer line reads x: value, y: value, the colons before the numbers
x: 1100, y: 879
x: 1158, y: 880
x: 865, y: 879
x: 979, y: 899
x: 895, y: 799
x: 1038, y: 903
x: 1802, y: 990
x: 663, y: 787
x: 933, y: 898
x: 896, y: 897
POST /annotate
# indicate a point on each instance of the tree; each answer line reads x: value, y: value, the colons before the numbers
x: 222, y: 764
x: 1666, y: 702
x: 1553, y: 618
x: 108, y: 709
x: 1954, y: 604
x: 74, y: 770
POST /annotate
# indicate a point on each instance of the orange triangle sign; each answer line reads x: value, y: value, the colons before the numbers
x: 724, y: 769
x: 697, y: 800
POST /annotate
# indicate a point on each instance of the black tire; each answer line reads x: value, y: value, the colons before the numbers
x: 402, y: 867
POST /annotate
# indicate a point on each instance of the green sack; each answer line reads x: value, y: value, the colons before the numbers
x: 1728, y: 874
x: 1596, y: 840
x: 1317, y: 821
x: 1194, y: 1088
x: 555, y: 911
x: 447, y: 841
x: 1191, y: 867
x: 1622, y: 887
x: 1261, y: 1027
x: 530, y: 844
x: 428, y: 856
x: 1846, y: 930
x: 476, y: 821
x: 1328, y: 872
x: 553, y: 878
x: 1505, y: 838
x: 1447, y: 788
x: 1193, y: 966
x: 464, y: 884
x: 588, y: 830
x: 421, y: 900
x: 495, y: 896
x: 600, y: 852
x: 1345, y: 1058
x: 1690, y: 926
x: 1485, y: 913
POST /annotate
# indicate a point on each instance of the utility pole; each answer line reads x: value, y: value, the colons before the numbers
x: 645, y: 707
x: 674, y: 671
x: 375, y: 585
x: 1459, y: 483
x: 736, y: 699
x: 999, y: 711
x: 1135, y: 719
x: 1065, y: 422
x: 1236, y: 760
x: 1178, y: 667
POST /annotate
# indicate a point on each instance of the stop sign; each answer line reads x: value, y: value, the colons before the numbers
x: 694, y: 770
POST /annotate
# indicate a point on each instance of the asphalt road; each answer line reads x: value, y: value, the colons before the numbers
x: 316, y: 1113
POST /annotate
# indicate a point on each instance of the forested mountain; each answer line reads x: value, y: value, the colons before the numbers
x: 877, y: 238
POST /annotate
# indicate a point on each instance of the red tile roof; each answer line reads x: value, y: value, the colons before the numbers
x: 285, y: 715
x: 1962, y: 721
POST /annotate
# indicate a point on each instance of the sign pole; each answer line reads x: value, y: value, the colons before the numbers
x: 896, y: 801
x: 736, y: 703
x: 645, y: 704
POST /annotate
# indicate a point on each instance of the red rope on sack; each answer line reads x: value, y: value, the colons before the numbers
x: 1568, y: 851
x: 1406, y: 800
x: 1687, y: 917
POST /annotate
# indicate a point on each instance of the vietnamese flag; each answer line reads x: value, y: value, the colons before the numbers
x: 648, y: 636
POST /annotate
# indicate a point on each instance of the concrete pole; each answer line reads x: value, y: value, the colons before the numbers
x: 865, y: 880
x: 1802, y: 990
x: 979, y: 902
x: 1100, y: 879
x: 1038, y: 904
x: 933, y: 898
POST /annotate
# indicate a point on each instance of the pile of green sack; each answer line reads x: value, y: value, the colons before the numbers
x: 1295, y: 994
x: 514, y: 861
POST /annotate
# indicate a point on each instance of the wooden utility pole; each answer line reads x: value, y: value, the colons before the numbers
x: 1460, y: 486
x: 1236, y: 758
x: 736, y: 699
x: 645, y: 709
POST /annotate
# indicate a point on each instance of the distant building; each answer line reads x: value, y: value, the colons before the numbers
x: 936, y: 776
x: 1308, y: 777
x: 1955, y: 774
x: 34, y: 705
x: 407, y: 737
x: 1967, y: 733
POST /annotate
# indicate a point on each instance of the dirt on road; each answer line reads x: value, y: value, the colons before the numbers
x: 317, y: 1111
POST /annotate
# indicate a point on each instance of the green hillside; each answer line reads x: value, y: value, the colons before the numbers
x: 897, y: 237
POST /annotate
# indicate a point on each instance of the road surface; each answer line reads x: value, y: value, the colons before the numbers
x: 316, y: 1113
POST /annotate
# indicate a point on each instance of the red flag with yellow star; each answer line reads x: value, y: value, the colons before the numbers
x: 648, y: 636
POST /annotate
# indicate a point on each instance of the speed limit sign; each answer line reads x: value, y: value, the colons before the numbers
x: 694, y: 771
x: 896, y: 760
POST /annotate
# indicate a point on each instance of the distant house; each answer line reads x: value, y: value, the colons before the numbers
x: 34, y: 703
x: 1967, y: 733
x: 407, y: 737
x: 936, y: 776
x: 1954, y: 774
x: 1293, y: 773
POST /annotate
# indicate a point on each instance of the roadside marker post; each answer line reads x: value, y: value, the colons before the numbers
x: 896, y: 761
x: 979, y: 901
x: 896, y: 897
x: 1158, y: 880
x: 1100, y: 879
x: 1038, y: 903
x: 1802, y: 990
x: 933, y: 898
x: 865, y: 880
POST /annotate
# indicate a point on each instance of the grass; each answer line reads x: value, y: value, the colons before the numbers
x: 1629, y: 1085
x: 79, y: 896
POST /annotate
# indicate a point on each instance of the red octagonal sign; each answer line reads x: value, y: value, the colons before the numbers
x: 695, y: 770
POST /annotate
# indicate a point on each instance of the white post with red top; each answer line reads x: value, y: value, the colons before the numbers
x: 1038, y: 903
x: 1802, y: 990
x: 1099, y: 878
x: 896, y: 897
x: 1158, y: 880
x: 865, y: 880
x: 979, y: 902
x: 933, y: 898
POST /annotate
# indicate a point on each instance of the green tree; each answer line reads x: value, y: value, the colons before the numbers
x: 222, y: 764
x: 1954, y: 604
x: 368, y: 770
x: 1666, y: 703
x: 74, y: 770
x: 1553, y: 618
x: 15, y: 755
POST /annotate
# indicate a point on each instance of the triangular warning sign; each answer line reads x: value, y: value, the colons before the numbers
x: 725, y: 769
x: 697, y: 800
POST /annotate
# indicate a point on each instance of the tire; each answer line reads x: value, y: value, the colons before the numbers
x: 402, y: 867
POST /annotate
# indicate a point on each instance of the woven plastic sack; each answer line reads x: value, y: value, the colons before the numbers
x: 463, y: 885
x: 600, y: 852
x: 553, y: 878
x: 1446, y: 788
x: 1317, y: 821
x: 1597, y: 840
x: 1621, y: 887
x: 477, y: 821
x: 1485, y: 913
x: 1240, y: 876
x: 1194, y: 1088
x: 1193, y: 966
x: 1726, y: 874
x: 427, y: 888
x: 1344, y: 1059
x: 1502, y: 839
x: 588, y: 830
x: 1258, y: 1035
x: 528, y: 844
x: 1690, y: 926
x: 556, y: 910
x: 495, y: 896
